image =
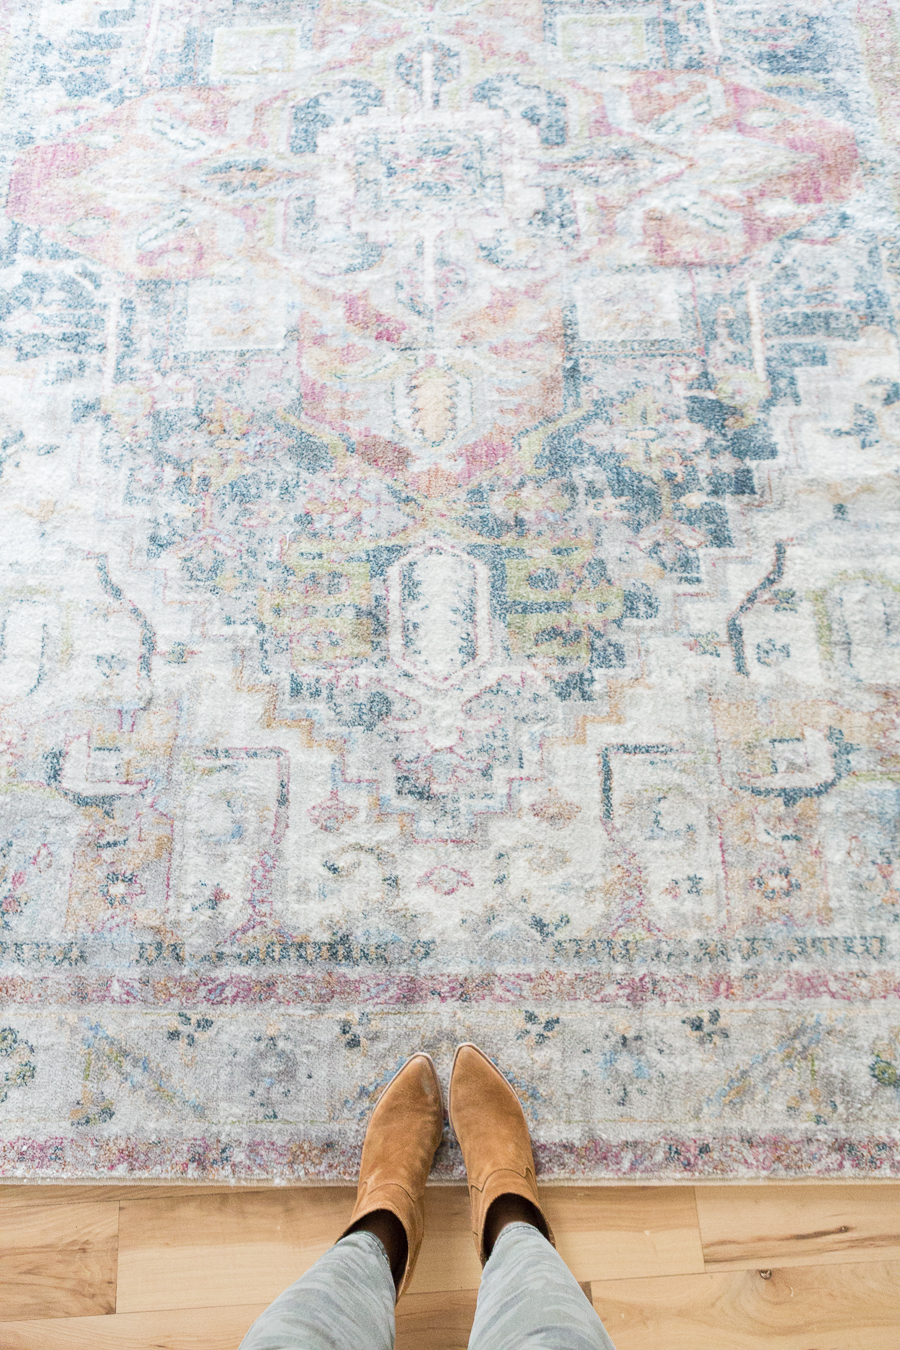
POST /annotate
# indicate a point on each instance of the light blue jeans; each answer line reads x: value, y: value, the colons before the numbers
x: 528, y: 1300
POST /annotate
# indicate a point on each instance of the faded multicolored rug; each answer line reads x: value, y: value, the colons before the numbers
x: 450, y: 580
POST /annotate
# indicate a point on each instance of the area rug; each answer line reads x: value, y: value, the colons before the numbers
x: 450, y: 580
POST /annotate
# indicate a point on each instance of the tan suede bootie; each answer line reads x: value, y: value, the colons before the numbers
x: 490, y: 1125
x: 402, y: 1136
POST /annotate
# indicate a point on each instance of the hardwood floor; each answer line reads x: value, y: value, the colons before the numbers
x: 768, y: 1267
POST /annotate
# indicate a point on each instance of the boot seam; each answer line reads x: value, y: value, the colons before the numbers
x: 382, y: 1185
x: 526, y: 1175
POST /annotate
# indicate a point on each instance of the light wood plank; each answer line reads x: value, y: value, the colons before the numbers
x: 448, y: 1260
x: 603, y: 1233
x: 57, y: 1260
x: 53, y: 1193
x: 206, y: 1251
x: 851, y: 1307
x: 438, y: 1321
x: 185, y: 1329
x: 250, y: 1245
x: 746, y: 1227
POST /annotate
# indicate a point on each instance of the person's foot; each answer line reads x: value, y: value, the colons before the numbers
x: 402, y: 1136
x: 489, y: 1123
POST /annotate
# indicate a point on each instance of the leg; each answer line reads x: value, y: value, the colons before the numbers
x: 345, y: 1300
x: 530, y: 1300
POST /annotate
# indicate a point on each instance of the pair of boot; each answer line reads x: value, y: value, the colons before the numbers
x: 403, y: 1135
